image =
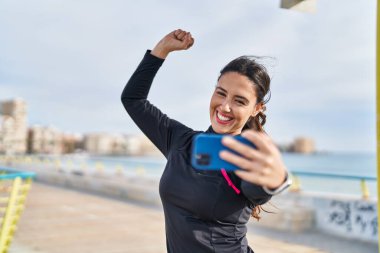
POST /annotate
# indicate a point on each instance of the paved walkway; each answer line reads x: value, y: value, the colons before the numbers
x: 58, y: 220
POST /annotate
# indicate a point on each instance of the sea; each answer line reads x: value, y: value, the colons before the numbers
x: 339, y: 173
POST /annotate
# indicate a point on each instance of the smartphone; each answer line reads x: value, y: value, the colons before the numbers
x: 205, y: 152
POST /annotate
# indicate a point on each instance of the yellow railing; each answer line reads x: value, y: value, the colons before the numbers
x: 296, y: 185
x: 14, y: 187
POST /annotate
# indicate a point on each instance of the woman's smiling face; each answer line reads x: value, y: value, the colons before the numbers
x: 232, y: 103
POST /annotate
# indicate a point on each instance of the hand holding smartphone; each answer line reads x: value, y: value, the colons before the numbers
x: 206, y: 149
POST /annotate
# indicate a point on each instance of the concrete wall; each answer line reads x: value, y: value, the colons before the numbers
x: 339, y: 215
x: 351, y: 218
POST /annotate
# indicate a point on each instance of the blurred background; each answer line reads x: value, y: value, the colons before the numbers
x: 63, y: 67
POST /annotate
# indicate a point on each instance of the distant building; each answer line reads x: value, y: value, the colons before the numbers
x: 6, y: 134
x: 50, y: 140
x: 112, y: 144
x: 105, y: 144
x: 45, y: 140
x: 119, y: 145
x: 133, y: 145
x: 284, y: 147
x: 303, y: 145
x: 13, y: 127
x: 72, y: 143
x: 147, y: 147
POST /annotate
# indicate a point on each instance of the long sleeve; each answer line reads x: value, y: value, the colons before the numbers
x: 254, y: 193
x: 165, y: 133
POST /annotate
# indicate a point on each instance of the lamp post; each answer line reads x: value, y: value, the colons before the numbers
x: 378, y: 109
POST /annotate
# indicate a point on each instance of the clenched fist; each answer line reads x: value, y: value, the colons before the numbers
x: 174, y: 41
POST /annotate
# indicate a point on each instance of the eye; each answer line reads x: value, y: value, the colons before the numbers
x: 220, y: 93
x: 240, y: 102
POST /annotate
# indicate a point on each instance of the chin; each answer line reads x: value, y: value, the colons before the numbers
x: 221, y: 130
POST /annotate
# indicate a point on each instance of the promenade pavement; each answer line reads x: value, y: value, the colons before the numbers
x: 58, y: 220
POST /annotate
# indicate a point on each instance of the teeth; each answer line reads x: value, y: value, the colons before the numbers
x: 222, y: 117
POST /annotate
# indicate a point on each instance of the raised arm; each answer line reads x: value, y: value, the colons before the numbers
x: 164, y: 132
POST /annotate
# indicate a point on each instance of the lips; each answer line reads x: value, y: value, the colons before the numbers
x: 222, y: 118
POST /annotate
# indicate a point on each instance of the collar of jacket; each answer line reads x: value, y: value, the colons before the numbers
x: 210, y: 130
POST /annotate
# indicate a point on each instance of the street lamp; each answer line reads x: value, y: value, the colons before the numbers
x: 300, y: 5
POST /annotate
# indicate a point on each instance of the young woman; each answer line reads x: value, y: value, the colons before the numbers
x: 207, y: 211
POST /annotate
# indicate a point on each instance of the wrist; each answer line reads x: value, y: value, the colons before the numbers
x: 159, y: 52
x: 285, y: 177
x: 287, y: 182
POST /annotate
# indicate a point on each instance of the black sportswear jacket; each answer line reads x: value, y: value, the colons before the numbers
x: 202, y: 212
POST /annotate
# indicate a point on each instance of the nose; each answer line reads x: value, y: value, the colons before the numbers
x: 226, y: 106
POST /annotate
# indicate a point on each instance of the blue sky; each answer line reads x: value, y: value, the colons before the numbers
x: 71, y: 59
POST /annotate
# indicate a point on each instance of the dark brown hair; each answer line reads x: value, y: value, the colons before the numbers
x: 258, y: 74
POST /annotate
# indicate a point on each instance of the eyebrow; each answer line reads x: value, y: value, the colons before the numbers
x: 245, y: 99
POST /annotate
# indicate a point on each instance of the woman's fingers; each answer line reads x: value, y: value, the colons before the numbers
x: 261, y: 140
x: 185, y: 38
x: 189, y: 41
x: 256, y: 167
x: 242, y: 148
x: 180, y: 35
x: 252, y: 177
x: 262, y: 166
x: 235, y: 159
x: 241, y: 162
x: 176, y: 32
